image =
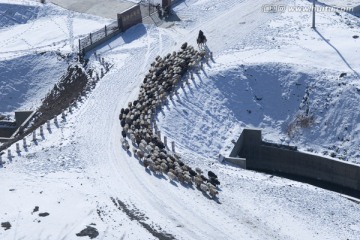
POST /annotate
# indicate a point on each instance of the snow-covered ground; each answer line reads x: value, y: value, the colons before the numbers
x: 264, y: 66
x: 36, y: 43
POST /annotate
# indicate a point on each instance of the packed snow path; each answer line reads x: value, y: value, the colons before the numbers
x: 76, y: 171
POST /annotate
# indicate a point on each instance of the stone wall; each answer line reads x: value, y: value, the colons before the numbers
x: 265, y: 157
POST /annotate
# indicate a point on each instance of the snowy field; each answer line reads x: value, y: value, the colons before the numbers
x: 267, y: 69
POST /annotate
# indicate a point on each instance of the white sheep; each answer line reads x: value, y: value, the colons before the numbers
x: 212, y: 191
x: 204, y: 187
x: 171, y: 176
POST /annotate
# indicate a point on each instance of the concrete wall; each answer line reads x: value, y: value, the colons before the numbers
x: 129, y: 18
x: 21, y: 119
x: 264, y: 157
x: 165, y: 3
x: 357, y: 9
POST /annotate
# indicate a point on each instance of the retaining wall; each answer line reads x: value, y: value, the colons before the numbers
x: 262, y: 156
x: 22, y: 118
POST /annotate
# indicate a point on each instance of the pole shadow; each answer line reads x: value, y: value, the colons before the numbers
x: 337, y: 51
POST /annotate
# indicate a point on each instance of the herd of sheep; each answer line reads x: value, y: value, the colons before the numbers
x: 137, y: 120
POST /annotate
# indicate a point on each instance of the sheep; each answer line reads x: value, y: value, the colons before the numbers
x: 123, y: 134
x: 146, y: 163
x: 181, y: 177
x: 204, y: 178
x: 125, y: 144
x: 192, y: 173
x: 137, y: 119
x: 122, y: 123
x: 157, y: 169
x: 171, y: 176
x: 213, y: 192
x: 140, y: 154
x: 197, y: 181
x: 198, y: 170
x: 214, y: 181
x: 204, y: 187
x: 187, y: 179
x: 211, y: 174
x: 164, y: 167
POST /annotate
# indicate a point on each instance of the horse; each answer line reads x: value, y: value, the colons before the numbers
x: 201, y: 40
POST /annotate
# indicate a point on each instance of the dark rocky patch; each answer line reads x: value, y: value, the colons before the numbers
x: 135, y: 214
x: 89, y: 231
x: 6, y: 225
x: 342, y: 75
x: 36, y: 209
x: 44, y: 214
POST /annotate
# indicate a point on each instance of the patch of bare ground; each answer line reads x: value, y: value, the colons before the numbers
x: 135, y: 214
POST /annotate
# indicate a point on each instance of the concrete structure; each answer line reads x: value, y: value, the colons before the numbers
x: 8, y: 130
x: 129, y: 18
x: 104, y: 8
x: 287, y: 161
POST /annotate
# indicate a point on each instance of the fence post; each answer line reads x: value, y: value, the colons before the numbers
x: 9, y: 153
x: 159, y: 134
x: 165, y: 141
x: 90, y: 38
x: 24, y: 143
x: 41, y: 131
x: 80, y: 52
x: 105, y: 31
x: 34, y: 135
x: 173, y: 146
x: 17, y: 147
x: 48, y: 124
x: 55, y: 119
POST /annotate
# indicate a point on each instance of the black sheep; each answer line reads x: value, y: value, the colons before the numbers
x: 138, y: 140
x: 214, y: 181
x: 192, y: 173
x: 211, y: 174
x: 126, y: 111
x: 122, y: 123
x: 181, y: 163
x: 160, y: 145
x: 123, y: 133
x: 122, y: 111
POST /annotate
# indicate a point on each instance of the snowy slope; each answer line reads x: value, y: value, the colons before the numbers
x: 36, y: 44
x: 75, y: 171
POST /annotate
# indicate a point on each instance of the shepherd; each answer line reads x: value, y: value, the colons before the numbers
x: 201, y: 40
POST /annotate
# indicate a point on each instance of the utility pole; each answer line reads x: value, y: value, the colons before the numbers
x: 313, y: 19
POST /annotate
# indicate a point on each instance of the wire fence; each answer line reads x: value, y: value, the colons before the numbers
x: 147, y: 8
x: 98, y: 36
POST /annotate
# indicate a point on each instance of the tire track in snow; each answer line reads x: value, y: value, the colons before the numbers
x: 154, y: 201
x: 70, y: 26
